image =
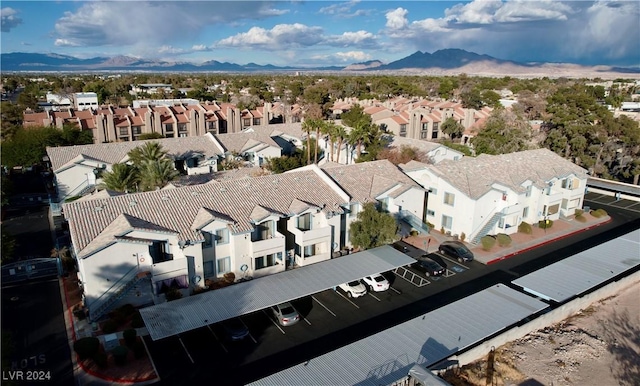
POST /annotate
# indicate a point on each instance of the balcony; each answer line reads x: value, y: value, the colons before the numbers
x: 262, y: 247
x: 312, y: 235
x: 169, y: 267
x: 553, y: 198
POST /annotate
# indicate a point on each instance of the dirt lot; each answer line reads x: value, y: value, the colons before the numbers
x: 600, y: 346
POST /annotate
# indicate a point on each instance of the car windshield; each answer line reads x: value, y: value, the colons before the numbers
x: 354, y: 283
x: 379, y: 279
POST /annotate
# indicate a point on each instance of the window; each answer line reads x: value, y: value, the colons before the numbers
x: 553, y: 209
x: 264, y: 261
x: 425, y: 126
x: 384, y: 204
x: 168, y: 127
x: 124, y: 131
x: 403, y: 130
x: 435, y: 126
x: 266, y: 230
x: 433, y: 191
x: 501, y: 223
x: 222, y: 236
x: 447, y: 222
x: 434, y: 132
x: 212, y: 126
x: 208, y: 268
x: 525, y: 212
x: 246, y: 122
x: 137, y: 130
x: 304, y: 222
x: 223, y: 265
x: 430, y: 212
x: 310, y: 250
x: 528, y: 194
x: 449, y: 198
x: 256, y: 121
x: 159, y: 252
x: 208, y: 239
x: 424, y: 135
x: 182, y: 127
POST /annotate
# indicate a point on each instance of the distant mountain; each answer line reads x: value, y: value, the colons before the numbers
x: 445, y: 59
x: 443, y: 62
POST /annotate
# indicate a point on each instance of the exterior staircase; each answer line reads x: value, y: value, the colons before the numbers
x: 116, y: 292
x: 487, y: 227
x: 413, y: 220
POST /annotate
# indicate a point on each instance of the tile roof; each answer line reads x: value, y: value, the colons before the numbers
x: 475, y: 176
x: 236, y: 142
x: 177, y: 209
x: 367, y: 180
x: 111, y: 153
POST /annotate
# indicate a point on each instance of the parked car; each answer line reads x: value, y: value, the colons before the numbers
x: 429, y: 266
x: 235, y: 329
x: 456, y: 250
x: 285, y: 314
x: 376, y: 283
x: 354, y: 289
x: 401, y: 248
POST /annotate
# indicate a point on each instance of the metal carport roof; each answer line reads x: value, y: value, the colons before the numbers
x: 197, y: 311
x: 387, y: 356
x: 580, y: 272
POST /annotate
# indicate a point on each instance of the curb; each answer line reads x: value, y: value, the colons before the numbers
x: 547, y: 242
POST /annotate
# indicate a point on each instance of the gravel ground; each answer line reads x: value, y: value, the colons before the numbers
x: 600, y: 346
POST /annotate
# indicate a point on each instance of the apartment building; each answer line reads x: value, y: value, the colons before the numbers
x: 492, y: 194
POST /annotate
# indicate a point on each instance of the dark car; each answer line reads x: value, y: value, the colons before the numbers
x: 235, y: 329
x: 429, y: 266
x: 456, y: 250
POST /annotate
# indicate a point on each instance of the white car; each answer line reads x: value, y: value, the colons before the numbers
x: 354, y: 289
x: 376, y: 283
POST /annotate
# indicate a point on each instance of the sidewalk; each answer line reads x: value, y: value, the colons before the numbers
x: 135, y: 371
x: 520, y: 242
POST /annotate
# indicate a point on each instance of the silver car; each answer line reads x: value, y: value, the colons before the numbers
x: 285, y: 314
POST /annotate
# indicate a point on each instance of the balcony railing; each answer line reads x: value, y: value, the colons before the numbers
x: 277, y: 241
x: 168, y: 266
x: 303, y: 237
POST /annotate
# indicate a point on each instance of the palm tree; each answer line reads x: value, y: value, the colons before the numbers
x: 307, y: 126
x: 150, y: 151
x: 121, y: 178
x: 328, y: 129
x: 341, y: 134
x: 357, y: 135
x: 156, y: 174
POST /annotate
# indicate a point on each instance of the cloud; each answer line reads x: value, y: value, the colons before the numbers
x: 576, y: 31
x: 9, y: 19
x: 65, y: 43
x: 283, y: 36
x: 344, y: 10
x: 170, y: 50
x: 360, y: 39
x: 341, y: 57
x: 159, y: 22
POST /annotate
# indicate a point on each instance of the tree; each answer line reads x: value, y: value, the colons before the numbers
x: 452, y: 128
x: 472, y: 99
x: 504, y: 132
x: 153, y: 135
x: 150, y: 151
x: 340, y: 134
x: 156, y: 174
x: 372, y: 228
x: 403, y: 155
x: 121, y: 178
x: 308, y: 127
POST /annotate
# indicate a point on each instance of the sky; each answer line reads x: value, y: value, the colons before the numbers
x: 313, y: 33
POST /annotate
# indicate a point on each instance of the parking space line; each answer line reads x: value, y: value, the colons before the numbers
x: 218, y: 339
x: 395, y: 290
x: 347, y: 299
x: 449, y: 273
x: 373, y: 296
x: 245, y: 326
x: 454, y: 261
x: 185, y: 350
x: 274, y: 322
x: 299, y: 313
x: 323, y: 306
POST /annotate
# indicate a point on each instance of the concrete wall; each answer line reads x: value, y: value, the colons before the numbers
x: 557, y: 315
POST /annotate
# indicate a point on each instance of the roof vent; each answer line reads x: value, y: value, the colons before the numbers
x: 98, y: 208
x: 194, y: 193
x: 223, y: 189
x: 132, y: 203
x: 165, y: 198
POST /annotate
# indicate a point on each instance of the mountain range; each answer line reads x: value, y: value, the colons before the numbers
x: 442, y: 61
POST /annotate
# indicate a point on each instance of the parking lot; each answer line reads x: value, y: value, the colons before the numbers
x: 321, y: 314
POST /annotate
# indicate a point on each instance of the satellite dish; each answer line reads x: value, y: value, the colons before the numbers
x: 244, y: 268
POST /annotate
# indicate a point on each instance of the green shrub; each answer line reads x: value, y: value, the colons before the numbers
x: 487, y: 242
x: 136, y: 320
x: 442, y: 230
x: 129, y: 336
x: 430, y: 226
x: 173, y: 294
x: 525, y: 228
x: 120, y: 355
x: 101, y: 359
x: 545, y: 224
x: 413, y: 232
x: 86, y: 347
x: 599, y: 213
x: 463, y: 236
x: 138, y: 349
x: 504, y: 240
x: 229, y: 277
x: 581, y: 218
x: 579, y: 212
x: 109, y: 326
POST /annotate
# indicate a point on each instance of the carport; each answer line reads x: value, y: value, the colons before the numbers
x: 577, y: 274
x: 171, y: 318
